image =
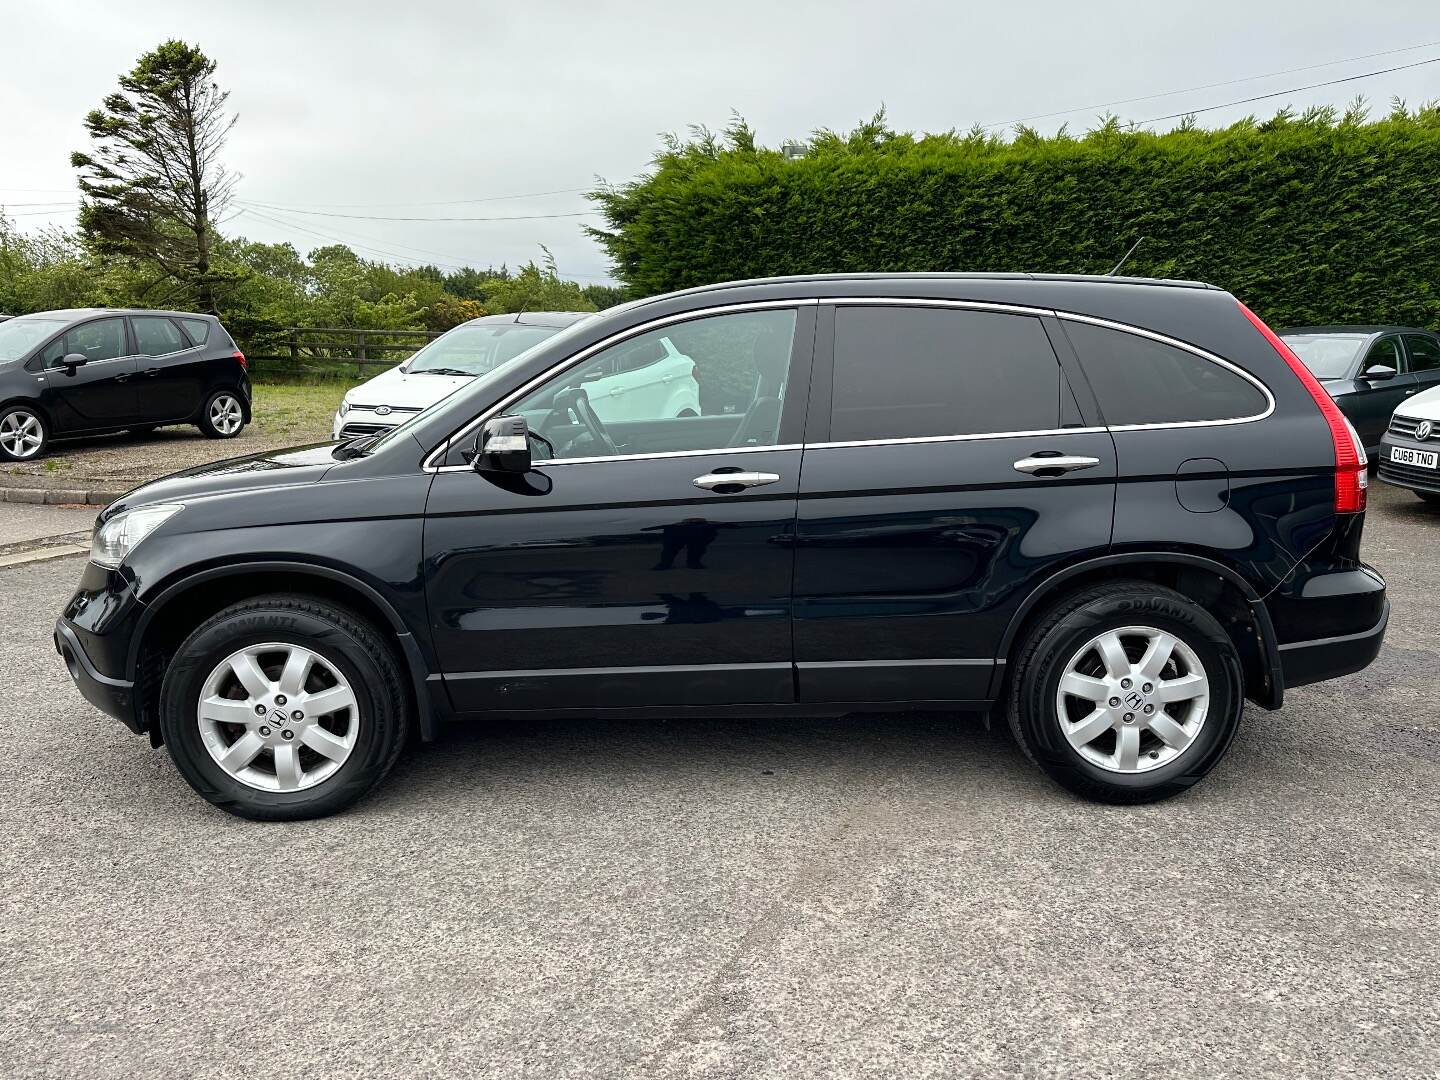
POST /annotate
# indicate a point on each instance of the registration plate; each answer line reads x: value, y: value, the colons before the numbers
x: 1403, y: 455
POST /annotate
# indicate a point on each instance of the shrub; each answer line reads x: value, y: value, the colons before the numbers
x: 1314, y: 218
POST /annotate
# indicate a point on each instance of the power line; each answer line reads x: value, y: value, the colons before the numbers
x: 337, y: 239
x: 1293, y: 90
x: 386, y: 217
x: 444, y: 202
x: 67, y: 202
x: 1212, y: 86
x: 458, y: 263
x: 458, y: 260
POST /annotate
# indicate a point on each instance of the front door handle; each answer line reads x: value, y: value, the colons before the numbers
x: 1059, y: 464
x: 711, y: 481
x: 152, y: 372
x: 121, y: 378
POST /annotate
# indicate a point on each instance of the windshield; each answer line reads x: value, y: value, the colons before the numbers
x: 476, y: 350
x: 1328, y: 356
x: 19, y: 336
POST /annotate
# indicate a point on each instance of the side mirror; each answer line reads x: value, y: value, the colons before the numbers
x: 503, y: 446
x: 1379, y: 373
x: 74, y: 360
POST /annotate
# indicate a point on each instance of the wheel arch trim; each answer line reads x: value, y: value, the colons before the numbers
x: 415, y: 662
x: 1053, y: 584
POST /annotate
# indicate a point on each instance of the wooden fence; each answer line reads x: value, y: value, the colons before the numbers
x: 335, y: 352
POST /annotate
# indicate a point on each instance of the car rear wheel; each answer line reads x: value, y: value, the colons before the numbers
x: 23, y: 433
x: 1127, y: 693
x: 223, y: 416
x: 283, y: 707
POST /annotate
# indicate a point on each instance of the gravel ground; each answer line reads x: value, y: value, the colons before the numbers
x: 882, y: 897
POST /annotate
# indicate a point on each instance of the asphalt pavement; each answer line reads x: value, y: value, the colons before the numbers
x: 873, y: 896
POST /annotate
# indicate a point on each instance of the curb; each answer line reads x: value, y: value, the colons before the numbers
x: 56, y: 496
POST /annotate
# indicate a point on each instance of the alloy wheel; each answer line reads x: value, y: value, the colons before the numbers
x: 226, y: 416
x: 21, y: 434
x: 1133, y: 699
x: 278, y: 717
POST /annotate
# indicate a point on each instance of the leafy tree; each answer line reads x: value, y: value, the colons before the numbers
x: 604, y: 296
x: 153, y: 182
x: 44, y: 270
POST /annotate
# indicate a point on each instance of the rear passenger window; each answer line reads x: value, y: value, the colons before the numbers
x: 913, y: 372
x: 1424, y: 352
x: 198, y: 329
x: 156, y: 336
x: 1142, y: 381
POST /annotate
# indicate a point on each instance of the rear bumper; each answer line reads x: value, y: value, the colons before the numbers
x: 1318, y: 659
x: 115, y: 697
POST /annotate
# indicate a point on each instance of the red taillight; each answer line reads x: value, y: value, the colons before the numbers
x: 241, y: 357
x: 1351, y: 477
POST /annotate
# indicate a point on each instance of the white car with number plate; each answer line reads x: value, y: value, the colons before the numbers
x: 1410, y: 450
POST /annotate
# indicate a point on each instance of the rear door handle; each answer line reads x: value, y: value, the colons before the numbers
x: 1059, y: 464
x: 711, y: 481
x: 152, y: 372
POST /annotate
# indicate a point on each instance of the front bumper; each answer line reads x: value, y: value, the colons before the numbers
x: 112, y: 696
x: 1414, y: 477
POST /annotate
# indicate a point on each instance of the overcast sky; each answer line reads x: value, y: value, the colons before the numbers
x: 395, y: 105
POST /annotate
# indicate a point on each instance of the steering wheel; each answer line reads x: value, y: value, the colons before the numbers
x: 575, y: 399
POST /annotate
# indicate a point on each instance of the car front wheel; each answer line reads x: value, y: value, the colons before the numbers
x: 23, y: 433
x: 283, y: 707
x: 1127, y: 693
x: 223, y: 416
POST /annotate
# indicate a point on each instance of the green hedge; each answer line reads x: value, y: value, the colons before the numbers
x: 1311, y: 219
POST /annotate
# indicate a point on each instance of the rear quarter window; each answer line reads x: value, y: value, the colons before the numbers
x: 198, y: 329
x: 1139, y: 380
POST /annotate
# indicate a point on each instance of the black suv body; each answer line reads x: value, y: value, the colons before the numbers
x: 92, y: 371
x: 1111, y: 509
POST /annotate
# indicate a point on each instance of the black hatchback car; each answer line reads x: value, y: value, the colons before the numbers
x: 92, y: 371
x: 1109, y: 509
x: 1369, y: 370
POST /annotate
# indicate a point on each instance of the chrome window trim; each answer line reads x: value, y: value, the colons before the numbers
x: 1187, y: 347
x: 922, y: 439
x: 863, y: 301
x: 431, y: 459
x: 654, y: 456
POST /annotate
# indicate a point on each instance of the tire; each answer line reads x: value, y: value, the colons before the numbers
x: 1431, y: 497
x: 24, y: 433
x: 223, y: 416
x: 1099, y: 770
x: 345, y: 648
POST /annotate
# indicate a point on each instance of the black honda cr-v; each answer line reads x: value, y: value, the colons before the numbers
x: 1111, y: 509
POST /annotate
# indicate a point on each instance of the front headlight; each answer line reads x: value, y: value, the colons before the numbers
x: 118, y: 537
x: 344, y: 406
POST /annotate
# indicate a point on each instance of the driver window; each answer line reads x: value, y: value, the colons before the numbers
x: 708, y: 384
